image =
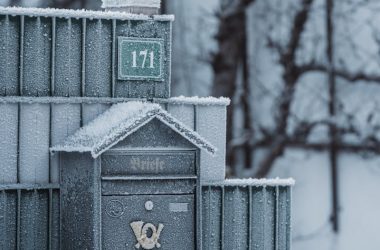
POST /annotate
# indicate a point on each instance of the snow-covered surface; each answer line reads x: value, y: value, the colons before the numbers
x: 173, y: 100
x: 311, y: 200
x: 64, y: 13
x: 256, y: 182
x: 131, y: 3
x: 201, y: 100
x: 120, y: 121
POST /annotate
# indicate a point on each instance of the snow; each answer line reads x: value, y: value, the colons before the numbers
x: 51, y: 12
x: 200, y: 100
x: 204, y: 101
x: 131, y: 3
x: 120, y: 121
x: 311, y: 200
x: 257, y: 182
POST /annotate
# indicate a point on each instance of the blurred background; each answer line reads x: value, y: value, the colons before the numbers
x: 304, y: 80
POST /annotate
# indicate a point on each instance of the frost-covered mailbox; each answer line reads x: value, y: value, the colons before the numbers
x: 129, y: 178
x: 97, y: 155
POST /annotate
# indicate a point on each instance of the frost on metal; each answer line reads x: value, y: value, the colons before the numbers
x: 256, y: 182
x: 131, y: 3
x: 122, y: 120
x: 201, y: 100
x: 65, y: 13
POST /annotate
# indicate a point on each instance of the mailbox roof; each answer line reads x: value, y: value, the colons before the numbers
x: 120, y: 121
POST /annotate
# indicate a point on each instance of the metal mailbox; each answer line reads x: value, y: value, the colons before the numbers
x: 139, y: 177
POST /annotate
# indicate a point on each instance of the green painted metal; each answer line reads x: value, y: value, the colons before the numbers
x: 140, y: 59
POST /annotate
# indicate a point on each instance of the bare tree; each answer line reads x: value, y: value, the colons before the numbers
x: 230, y: 59
x: 232, y: 56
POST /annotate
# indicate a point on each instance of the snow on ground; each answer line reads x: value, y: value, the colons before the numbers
x: 359, y: 185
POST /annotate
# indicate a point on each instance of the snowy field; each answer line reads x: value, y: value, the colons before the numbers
x: 359, y: 205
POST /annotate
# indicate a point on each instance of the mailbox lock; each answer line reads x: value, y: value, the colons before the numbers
x: 149, y: 205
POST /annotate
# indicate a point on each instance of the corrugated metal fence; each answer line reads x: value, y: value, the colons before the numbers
x: 233, y: 217
x: 246, y: 217
x: 29, y: 217
x: 71, y: 56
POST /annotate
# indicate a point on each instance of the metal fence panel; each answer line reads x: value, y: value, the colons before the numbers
x: 8, y: 142
x: 67, y: 48
x: 245, y: 217
x: 9, y: 51
x: 34, y: 143
x: 29, y: 217
x: 36, y: 56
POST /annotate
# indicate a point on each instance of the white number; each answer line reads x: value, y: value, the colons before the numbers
x: 151, y: 60
x: 144, y: 54
x: 134, y: 56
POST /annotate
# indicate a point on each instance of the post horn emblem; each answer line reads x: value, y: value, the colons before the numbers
x: 141, y: 232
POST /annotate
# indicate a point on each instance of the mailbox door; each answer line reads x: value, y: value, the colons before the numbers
x: 148, y: 222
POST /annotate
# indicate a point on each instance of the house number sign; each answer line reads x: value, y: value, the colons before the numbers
x: 140, y: 58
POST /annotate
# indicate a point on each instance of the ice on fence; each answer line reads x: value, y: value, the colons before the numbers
x: 131, y: 3
x: 34, y: 140
x: 259, y: 182
x: 200, y: 100
x: 8, y: 142
x: 65, y: 13
x: 122, y: 120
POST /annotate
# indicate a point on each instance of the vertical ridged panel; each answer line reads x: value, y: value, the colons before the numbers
x: 257, y: 218
x: 269, y: 216
x: 34, y: 143
x: 98, y: 58
x: 211, y: 214
x: 284, y: 218
x: 8, y: 142
x: 254, y: 217
x: 184, y: 113
x: 8, y: 220
x: 236, y: 219
x: 55, y: 226
x: 37, y: 56
x: 34, y: 220
x: 9, y: 55
x: 210, y: 123
x: 91, y: 111
x: 146, y: 88
x: 68, y: 57
x: 65, y: 121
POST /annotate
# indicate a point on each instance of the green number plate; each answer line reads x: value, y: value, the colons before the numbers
x: 140, y: 59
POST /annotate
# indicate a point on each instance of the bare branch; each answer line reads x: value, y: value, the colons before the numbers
x: 342, y: 73
x: 296, y: 32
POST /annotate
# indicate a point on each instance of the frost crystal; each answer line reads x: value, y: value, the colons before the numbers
x: 131, y: 3
x: 122, y: 120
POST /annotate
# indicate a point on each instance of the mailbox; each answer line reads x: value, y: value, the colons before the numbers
x: 129, y: 179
